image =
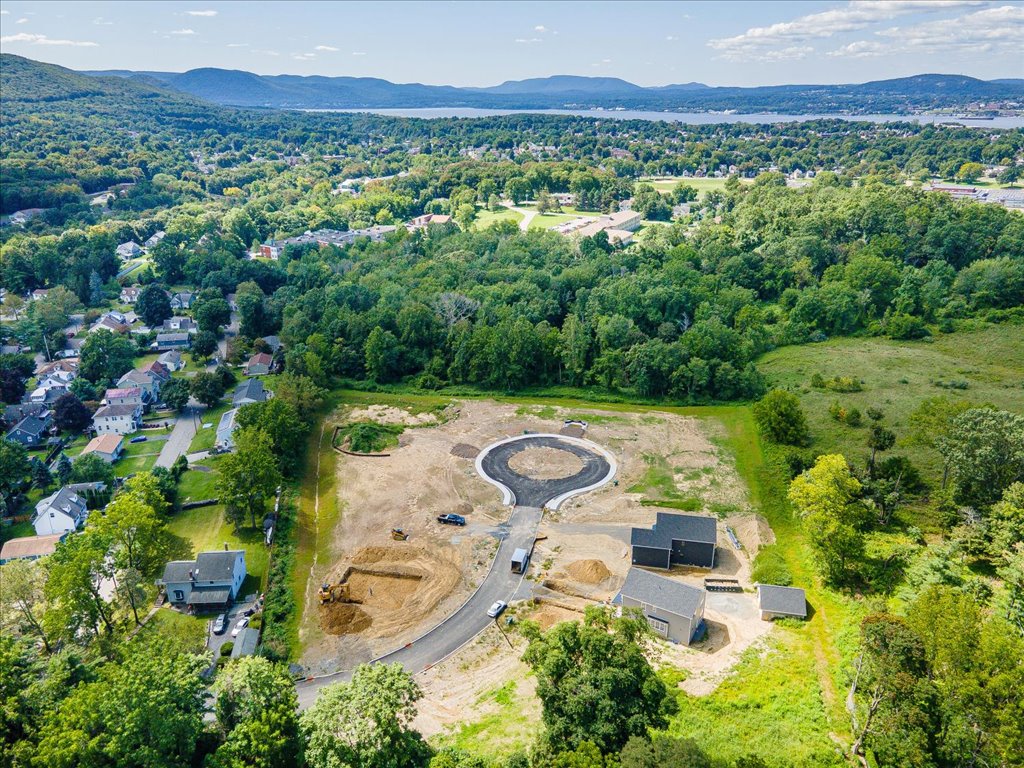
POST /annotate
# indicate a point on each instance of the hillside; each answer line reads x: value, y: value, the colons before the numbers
x: 908, y: 94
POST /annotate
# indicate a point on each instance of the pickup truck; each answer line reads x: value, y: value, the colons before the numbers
x: 451, y: 519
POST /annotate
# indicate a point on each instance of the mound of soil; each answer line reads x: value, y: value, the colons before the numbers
x: 465, y: 451
x: 545, y: 463
x: 588, y: 571
x: 344, y: 619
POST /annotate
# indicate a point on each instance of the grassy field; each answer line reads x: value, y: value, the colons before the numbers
x: 207, y: 529
x: 485, y: 218
x: 547, y: 220
x: 896, y: 377
x: 17, y: 531
x: 205, y: 437
x: 668, y: 183
x: 196, y: 484
x: 780, y: 705
x: 185, y: 632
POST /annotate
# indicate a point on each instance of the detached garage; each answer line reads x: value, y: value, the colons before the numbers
x: 775, y: 602
x: 676, y: 540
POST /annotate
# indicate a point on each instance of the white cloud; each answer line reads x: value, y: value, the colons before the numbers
x: 528, y: 40
x: 303, y: 56
x: 771, y: 42
x: 358, y: 53
x: 540, y: 28
x: 201, y: 13
x: 25, y: 37
x: 670, y: 38
x: 183, y: 32
x: 999, y: 30
x: 238, y: 45
x: 100, y: 21
x: 326, y: 48
x: 266, y: 53
x: 5, y: 13
x: 21, y: 21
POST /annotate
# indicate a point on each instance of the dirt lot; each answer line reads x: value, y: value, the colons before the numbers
x: 404, y: 588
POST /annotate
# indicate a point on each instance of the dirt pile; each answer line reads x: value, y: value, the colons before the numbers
x: 465, y: 451
x: 545, y: 463
x: 344, y: 619
x: 388, y: 414
x: 588, y: 571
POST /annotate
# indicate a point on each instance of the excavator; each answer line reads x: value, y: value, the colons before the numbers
x: 399, y: 535
x: 333, y: 593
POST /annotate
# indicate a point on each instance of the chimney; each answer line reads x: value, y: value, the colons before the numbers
x: 191, y: 577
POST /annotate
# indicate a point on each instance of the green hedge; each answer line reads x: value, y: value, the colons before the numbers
x: 770, y: 567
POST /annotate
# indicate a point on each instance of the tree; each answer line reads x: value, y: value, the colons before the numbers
x: 249, y: 476
x: 827, y: 497
x: 83, y: 389
x: 780, y: 418
x: 255, y: 706
x: 70, y: 415
x: 14, y: 468
x: 95, y: 289
x: 91, y: 469
x: 41, y: 477
x: 207, y: 387
x: 879, y: 439
x: 12, y: 386
x: 63, y: 469
x: 14, y: 304
x: 932, y: 421
x: 365, y: 723
x: 153, y: 305
x: 251, y: 310
x: 594, y: 681
x: 137, y: 538
x: 54, y: 311
x: 22, y: 599
x: 211, y: 313
x: 75, y: 575
x: 280, y: 421
x: 662, y: 750
x: 203, y: 345
x: 300, y: 392
x: 175, y: 394
x: 151, y: 489
x: 985, y: 453
x: 1006, y: 522
x: 142, y: 713
x: 970, y: 172
x: 381, y: 353
x: 106, y: 357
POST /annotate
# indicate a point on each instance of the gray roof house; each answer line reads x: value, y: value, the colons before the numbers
x: 775, y: 602
x: 144, y: 381
x: 180, y: 323
x: 675, y: 540
x: 673, y: 609
x: 226, y: 429
x: 59, y: 512
x: 250, y: 391
x: 171, y: 360
x: 168, y: 341
x: 30, y: 431
x: 209, y: 583
x: 182, y: 300
x: 246, y: 642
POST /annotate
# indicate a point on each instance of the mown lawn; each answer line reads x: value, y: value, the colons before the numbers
x: 485, y: 218
x: 206, y: 436
x: 547, y: 220
x: 196, y: 485
x: 184, y: 632
x: 17, y: 531
x: 206, y: 528
x: 703, y: 186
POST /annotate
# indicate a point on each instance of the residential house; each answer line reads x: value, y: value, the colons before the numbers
x: 31, y: 431
x: 676, y: 540
x: 123, y: 396
x: 674, y: 610
x: 129, y: 250
x: 47, y: 393
x: 207, y: 584
x: 273, y: 342
x: 130, y: 294
x: 226, y: 429
x: 15, y: 413
x: 144, y: 381
x: 168, y: 341
x: 427, y: 219
x: 245, y: 643
x: 172, y: 360
x: 182, y: 300
x: 95, y: 493
x: 780, y: 602
x: 110, y: 322
x: 108, y: 447
x: 59, y: 512
x: 158, y: 371
x: 270, y: 250
x: 117, y: 419
x: 259, y: 364
x: 58, y: 366
x: 39, y: 293
x: 22, y: 217
x: 180, y: 324
x: 30, y: 547
x: 250, y: 391
x: 155, y: 239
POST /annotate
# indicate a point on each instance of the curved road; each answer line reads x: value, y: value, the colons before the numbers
x: 519, y: 531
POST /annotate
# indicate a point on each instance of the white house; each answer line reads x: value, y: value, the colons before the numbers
x: 129, y: 250
x: 59, y: 512
x: 226, y: 429
x: 172, y: 360
x: 142, y: 380
x: 673, y: 609
x: 123, y: 396
x: 117, y: 419
x: 108, y: 447
x: 30, y: 547
x: 209, y: 583
x: 130, y: 294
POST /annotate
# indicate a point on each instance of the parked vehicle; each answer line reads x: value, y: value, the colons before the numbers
x: 496, y: 610
x: 139, y: 439
x: 242, y: 624
x: 220, y: 624
x: 451, y: 519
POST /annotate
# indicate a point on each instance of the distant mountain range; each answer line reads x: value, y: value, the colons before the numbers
x: 902, y: 95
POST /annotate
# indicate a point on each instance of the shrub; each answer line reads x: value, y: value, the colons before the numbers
x: 371, y: 437
x: 843, y: 384
x: 280, y: 602
x: 256, y: 622
x: 227, y: 648
x: 799, y: 460
x: 770, y: 567
x: 853, y: 417
x: 780, y: 419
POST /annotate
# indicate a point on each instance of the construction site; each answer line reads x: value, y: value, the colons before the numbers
x: 394, y: 573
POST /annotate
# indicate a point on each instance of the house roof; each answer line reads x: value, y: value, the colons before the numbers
x: 674, y: 596
x: 30, y: 546
x: 109, y: 411
x: 107, y: 443
x: 96, y: 485
x: 226, y: 423
x: 670, y: 526
x: 136, y: 376
x: 261, y: 358
x: 789, y: 601
x: 250, y: 389
x: 156, y: 368
x: 246, y: 642
x: 209, y: 595
x: 66, y: 500
x: 216, y: 566
x: 123, y: 392
x: 173, y: 357
x: 177, y: 571
x: 32, y: 424
x: 162, y: 337
x: 15, y: 413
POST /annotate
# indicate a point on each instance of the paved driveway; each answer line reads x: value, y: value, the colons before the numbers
x: 181, y: 436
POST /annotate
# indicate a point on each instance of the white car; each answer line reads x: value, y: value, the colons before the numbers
x: 495, y: 610
x: 242, y: 624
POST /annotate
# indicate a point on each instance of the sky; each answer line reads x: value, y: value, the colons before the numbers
x: 485, y: 43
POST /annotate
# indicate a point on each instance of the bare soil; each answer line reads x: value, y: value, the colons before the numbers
x: 545, y: 463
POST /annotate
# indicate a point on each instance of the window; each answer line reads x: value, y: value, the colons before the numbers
x: 179, y: 596
x: 660, y: 626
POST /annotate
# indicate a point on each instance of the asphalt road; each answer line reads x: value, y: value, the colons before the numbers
x: 519, y: 531
x: 181, y: 436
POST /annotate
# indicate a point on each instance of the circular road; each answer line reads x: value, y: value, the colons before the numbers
x: 493, y: 465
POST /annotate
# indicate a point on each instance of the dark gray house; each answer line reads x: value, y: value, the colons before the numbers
x: 673, y: 609
x: 675, y: 540
x: 250, y: 391
x: 775, y: 602
x: 30, y: 431
x: 208, y: 583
